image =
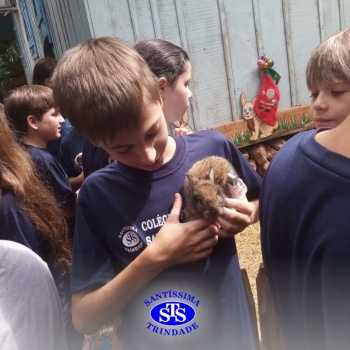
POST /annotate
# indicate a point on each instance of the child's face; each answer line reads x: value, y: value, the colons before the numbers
x: 177, y: 96
x: 330, y: 105
x: 49, y: 127
x: 144, y: 148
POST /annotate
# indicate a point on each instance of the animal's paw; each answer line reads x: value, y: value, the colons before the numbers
x: 263, y: 136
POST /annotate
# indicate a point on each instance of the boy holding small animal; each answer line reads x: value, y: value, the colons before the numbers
x: 175, y: 285
x: 172, y: 67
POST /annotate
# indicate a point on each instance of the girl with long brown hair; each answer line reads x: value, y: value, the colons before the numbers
x: 19, y: 180
x: 30, y: 215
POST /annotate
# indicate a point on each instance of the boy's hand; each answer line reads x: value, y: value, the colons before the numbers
x: 237, y: 216
x: 180, y: 243
x: 182, y: 131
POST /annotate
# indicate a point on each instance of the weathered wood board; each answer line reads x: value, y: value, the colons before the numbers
x: 290, y: 120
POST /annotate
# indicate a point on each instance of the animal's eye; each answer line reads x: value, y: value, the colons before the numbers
x: 250, y: 109
x: 197, y: 199
x: 219, y: 191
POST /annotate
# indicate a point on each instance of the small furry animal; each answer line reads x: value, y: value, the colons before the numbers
x: 206, y: 187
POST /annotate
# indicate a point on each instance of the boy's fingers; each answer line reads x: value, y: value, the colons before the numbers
x: 239, y: 205
x: 175, y: 211
x: 181, y: 131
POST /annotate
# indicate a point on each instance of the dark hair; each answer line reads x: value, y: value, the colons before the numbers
x: 3, y: 95
x: 164, y: 58
x: 43, y: 70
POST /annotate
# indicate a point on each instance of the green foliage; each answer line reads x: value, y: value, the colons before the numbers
x: 293, y: 123
x: 240, y: 137
x: 10, y: 62
x: 282, y: 124
x: 305, y: 119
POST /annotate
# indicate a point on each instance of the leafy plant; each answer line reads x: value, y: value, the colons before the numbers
x: 10, y: 63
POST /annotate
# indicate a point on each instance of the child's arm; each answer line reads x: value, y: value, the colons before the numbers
x: 71, y: 211
x: 238, y: 214
x: 176, y: 243
x: 76, y: 182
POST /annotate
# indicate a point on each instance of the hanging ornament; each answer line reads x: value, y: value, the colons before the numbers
x: 264, y: 62
x: 267, y: 101
x: 270, y: 62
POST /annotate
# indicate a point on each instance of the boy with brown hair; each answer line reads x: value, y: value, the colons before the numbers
x: 328, y: 80
x: 30, y: 113
x: 175, y: 285
x: 304, y: 211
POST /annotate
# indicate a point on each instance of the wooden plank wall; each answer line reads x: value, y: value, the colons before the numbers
x: 27, y: 60
x: 69, y: 23
x: 224, y: 39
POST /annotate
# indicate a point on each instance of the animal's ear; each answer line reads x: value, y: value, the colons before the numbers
x: 211, y: 174
x: 191, y: 179
x: 243, y: 99
x: 254, y: 99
